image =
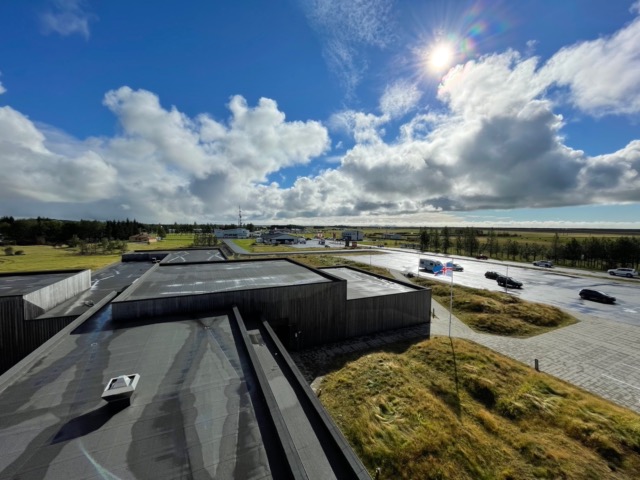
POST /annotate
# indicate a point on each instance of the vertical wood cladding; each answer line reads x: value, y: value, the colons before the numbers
x: 11, y: 335
x: 19, y: 333
x: 388, y: 312
x: 315, y: 310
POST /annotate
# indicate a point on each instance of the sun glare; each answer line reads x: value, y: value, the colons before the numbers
x: 441, y: 57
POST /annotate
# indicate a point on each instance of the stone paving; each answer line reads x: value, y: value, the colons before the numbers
x: 600, y: 356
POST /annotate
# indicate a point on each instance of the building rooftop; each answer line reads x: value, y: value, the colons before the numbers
x: 190, y: 279
x: 24, y: 283
x: 192, y: 415
x: 363, y: 285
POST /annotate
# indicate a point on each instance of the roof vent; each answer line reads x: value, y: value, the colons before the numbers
x: 120, y: 388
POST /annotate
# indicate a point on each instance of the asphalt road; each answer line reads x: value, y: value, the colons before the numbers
x: 553, y: 286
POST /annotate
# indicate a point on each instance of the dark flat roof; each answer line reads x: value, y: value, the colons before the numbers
x: 363, y: 285
x: 22, y: 284
x: 190, y: 279
x: 115, y: 277
x: 193, y: 414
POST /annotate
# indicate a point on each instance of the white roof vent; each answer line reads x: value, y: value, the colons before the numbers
x: 120, y: 388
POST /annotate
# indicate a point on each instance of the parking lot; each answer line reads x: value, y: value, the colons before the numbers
x: 552, y: 286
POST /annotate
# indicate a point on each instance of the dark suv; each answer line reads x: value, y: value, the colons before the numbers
x: 595, y: 295
x: 492, y: 275
x: 508, y: 282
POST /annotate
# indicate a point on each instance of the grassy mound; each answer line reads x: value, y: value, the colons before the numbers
x: 445, y: 409
x: 497, y: 312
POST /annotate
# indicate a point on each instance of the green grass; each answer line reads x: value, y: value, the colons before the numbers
x: 498, y: 313
x: 45, y: 257
x: 451, y: 409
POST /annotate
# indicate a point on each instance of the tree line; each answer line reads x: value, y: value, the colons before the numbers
x: 592, y: 252
x: 47, y: 231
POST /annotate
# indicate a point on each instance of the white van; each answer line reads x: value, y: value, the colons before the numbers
x: 428, y: 264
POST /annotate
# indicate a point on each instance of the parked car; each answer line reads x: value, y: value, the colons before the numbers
x: 457, y: 267
x: 491, y: 275
x: 481, y: 257
x: 508, y: 282
x: 543, y: 263
x: 596, y: 295
x: 623, y: 272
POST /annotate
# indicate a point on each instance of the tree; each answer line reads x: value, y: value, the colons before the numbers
x: 573, y: 251
x: 555, y: 247
x: 424, y: 239
x: 446, y: 240
x: 435, y: 240
x: 471, y: 242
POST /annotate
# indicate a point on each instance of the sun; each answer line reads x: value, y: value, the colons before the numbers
x: 440, y: 57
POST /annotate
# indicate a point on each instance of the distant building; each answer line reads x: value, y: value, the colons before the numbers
x: 143, y: 238
x: 392, y: 236
x: 232, y: 233
x: 279, y: 238
x: 353, y: 235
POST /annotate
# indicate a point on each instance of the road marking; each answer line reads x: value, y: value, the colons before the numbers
x: 620, y: 381
x: 629, y: 310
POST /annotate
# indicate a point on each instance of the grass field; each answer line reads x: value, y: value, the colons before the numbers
x: 45, y: 257
x: 451, y: 409
x: 250, y: 245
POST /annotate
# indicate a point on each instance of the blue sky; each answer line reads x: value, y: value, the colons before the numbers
x: 376, y: 112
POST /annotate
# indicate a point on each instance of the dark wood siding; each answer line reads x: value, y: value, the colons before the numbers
x: 11, y: 320
x: 387, y: 312
x: 315, y: 312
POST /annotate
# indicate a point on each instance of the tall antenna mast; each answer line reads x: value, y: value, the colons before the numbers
x: 239, y: 217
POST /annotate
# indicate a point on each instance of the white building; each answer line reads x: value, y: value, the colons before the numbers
x: 231, y: 233
x: 353, y: 235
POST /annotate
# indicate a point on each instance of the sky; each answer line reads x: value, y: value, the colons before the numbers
x: 322, y: 112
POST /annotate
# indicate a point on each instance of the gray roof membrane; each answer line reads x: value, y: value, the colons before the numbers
x: 191, y: 279
x: 115, y: 277
x: 12, y: 285
x: 364, y: 285
x: 193, y: 414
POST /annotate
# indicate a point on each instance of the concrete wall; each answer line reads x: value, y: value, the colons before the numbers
x: 54, y: 294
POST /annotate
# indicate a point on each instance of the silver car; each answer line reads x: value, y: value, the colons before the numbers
x: 623, y: 272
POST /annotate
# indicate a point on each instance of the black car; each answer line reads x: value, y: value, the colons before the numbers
x: 508, y: 282
x: 596, y: 295
x: 492, y: 275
